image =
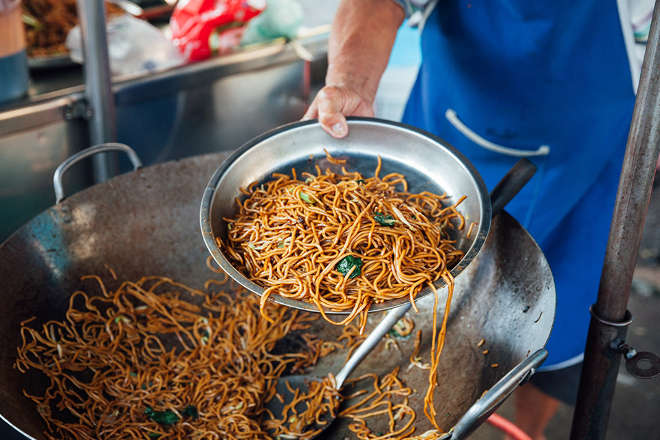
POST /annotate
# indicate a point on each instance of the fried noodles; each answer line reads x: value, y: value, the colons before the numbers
x: 158, y: 359
x: 342, y: 241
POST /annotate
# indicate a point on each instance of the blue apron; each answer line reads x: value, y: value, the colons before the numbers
x: 547, y: 80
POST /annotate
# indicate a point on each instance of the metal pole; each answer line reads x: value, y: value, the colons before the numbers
x: 98, y: 84
x: 609, y: 314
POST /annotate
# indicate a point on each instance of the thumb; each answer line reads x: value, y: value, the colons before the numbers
x: 333, y: 103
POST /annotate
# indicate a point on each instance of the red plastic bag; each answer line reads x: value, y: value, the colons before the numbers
x: 195, y: 23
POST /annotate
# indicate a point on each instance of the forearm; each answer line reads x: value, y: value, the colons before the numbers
x: 362, y: 36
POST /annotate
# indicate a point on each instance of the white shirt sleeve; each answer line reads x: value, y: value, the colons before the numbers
x: 417, y: 11
x: 635, y: 17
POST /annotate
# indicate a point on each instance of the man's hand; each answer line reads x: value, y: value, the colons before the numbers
x: 362, y: 36
x: 332, y: 104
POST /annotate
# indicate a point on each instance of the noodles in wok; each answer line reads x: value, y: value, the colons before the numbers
x: 155, y: 359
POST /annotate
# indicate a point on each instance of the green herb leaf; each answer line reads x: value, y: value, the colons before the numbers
x: 167, y: 417
x: 190, y: 411
x: 133, y: 374
x: 31, y: 21
x: 384, y: 220
x: 347, y: 263
x: 394, y: 333
x: 257, y: 247
x: 360, y: 181
x: 154, y: 435
x: 306, y: 198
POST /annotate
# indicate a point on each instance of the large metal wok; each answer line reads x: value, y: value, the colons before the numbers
x: 146, y: 223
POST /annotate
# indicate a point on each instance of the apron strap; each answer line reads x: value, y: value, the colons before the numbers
x: 452, y: 117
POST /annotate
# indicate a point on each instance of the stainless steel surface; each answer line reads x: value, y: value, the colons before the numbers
x: 218, y: 116
x: 27, y: 162
x: 21, y: 119
x: 486, y: 405
x: 601, y: 364
x: 98, y: 84
x: 428, y: 163
x: 145, y: 222
x: 91, y: 151
x: 232, y: 100
x: 260, y: 61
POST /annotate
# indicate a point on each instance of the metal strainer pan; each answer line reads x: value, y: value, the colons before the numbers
x: 428, y: 163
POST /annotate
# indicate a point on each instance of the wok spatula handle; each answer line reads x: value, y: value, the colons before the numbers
x: 511, y: 184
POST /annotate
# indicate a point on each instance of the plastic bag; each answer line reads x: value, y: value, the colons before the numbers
x: 282, y: 18
x: 134, y: 46
x: 201, y: 27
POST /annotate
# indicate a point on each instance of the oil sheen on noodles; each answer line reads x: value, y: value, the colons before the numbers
x: 342, y: 241
x: 156, y: 359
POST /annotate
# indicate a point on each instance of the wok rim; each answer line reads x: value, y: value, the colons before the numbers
x: 221, y: 260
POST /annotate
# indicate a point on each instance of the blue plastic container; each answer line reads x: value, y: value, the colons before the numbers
x: 13, y: 76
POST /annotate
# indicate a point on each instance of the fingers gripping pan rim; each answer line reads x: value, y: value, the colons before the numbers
x: 427, y: 162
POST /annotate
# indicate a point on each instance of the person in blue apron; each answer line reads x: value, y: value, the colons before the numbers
x: 501, y: 80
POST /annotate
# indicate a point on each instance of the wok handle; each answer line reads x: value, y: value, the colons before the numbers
x: 511, y: 184
x: 488, y: 403
x: 101, y: 148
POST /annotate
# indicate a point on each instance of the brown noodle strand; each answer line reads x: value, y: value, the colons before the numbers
x: 290, y: 235
x: 159, y: 344
x: 437, y: 344
x: 330, y: 159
